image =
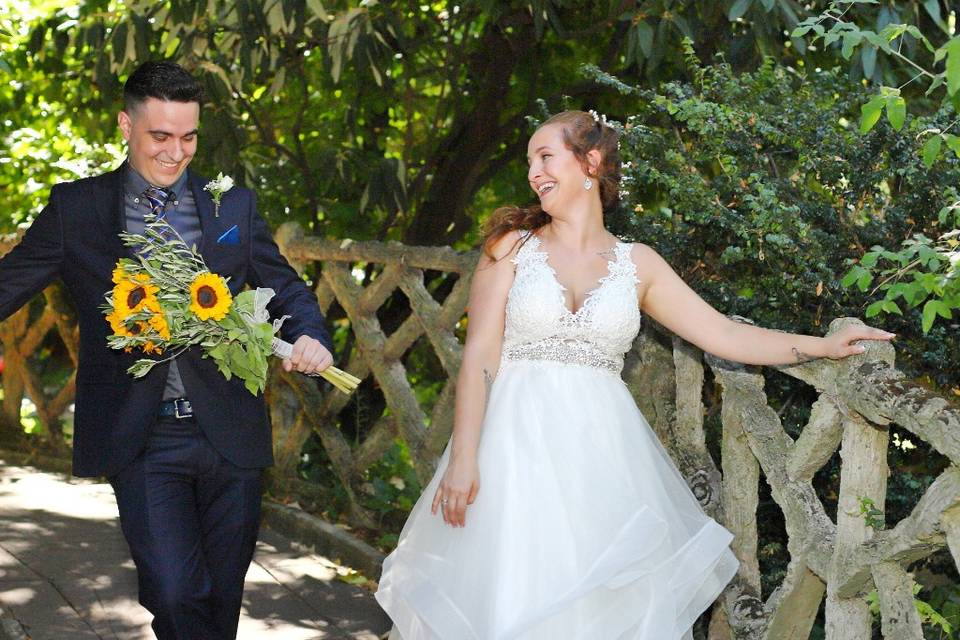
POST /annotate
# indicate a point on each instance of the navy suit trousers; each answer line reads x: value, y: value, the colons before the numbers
x: 191, y: 519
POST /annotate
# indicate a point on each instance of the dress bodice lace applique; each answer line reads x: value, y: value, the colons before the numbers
x: 539, y: 326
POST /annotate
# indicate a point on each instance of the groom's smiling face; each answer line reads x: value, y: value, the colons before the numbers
x: 162, y: 138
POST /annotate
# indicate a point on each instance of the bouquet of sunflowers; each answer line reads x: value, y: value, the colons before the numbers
x: 166, y: 300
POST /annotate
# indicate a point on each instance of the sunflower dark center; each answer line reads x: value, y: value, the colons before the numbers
x: 136, y: 296
x: 206, y: 296
x: 136, y: 329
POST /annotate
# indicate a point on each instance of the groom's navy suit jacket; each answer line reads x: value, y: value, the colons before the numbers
x: 75, y: 238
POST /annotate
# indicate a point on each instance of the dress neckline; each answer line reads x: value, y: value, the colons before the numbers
x: 601, y: 281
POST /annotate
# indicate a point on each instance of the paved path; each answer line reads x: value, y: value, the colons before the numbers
x: 65, y: 573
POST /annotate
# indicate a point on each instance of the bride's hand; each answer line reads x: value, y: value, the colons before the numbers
x: 458, y: 488
x: 839, y: 344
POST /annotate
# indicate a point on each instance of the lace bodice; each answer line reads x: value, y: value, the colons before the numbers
x: 539, y: 326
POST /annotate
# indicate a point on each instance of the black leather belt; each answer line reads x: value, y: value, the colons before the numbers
x: 178, y: 408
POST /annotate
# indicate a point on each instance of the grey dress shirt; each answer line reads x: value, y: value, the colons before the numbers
x: 181, y: 212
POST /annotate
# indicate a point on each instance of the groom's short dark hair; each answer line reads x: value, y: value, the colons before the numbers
x: 162, y: 80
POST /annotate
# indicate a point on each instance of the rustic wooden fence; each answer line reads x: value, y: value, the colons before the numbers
x: 857, y: 400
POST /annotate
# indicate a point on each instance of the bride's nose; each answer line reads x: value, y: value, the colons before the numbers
x: 532, y: 174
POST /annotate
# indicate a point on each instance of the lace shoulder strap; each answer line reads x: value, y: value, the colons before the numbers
x: 623, y: 265
x: 528, y: 245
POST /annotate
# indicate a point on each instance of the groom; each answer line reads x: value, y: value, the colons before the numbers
x: 183, y: 447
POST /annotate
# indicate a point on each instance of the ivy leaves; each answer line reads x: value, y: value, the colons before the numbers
x: 831, y: 27
x: 922, y: 272
x: 889, y: 100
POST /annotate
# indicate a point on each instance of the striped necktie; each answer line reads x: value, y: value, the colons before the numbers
x: 157, y: 198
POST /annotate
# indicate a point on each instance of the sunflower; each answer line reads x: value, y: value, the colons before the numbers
x: 125, y: 328
x: 209, y: 297
x: 119, y: 275
x: 158, y: 322
x: 130, y: 296
x: 150, y: 347
x: 116, y: 322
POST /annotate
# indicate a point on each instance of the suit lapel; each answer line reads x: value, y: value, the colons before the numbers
x: 108, y: 200
x: 204, y: 205
x: 212, y: 226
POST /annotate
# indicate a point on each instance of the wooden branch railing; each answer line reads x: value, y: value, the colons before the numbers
x: 858, y: 398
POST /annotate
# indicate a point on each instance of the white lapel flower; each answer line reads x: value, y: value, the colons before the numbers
x: 217, y: 188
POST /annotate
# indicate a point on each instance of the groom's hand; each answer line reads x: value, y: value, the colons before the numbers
x: 309, y: 356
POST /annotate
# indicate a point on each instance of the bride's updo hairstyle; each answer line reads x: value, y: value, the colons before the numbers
x: 582, y: 133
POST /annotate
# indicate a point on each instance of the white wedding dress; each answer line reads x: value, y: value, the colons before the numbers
x: 583, y: 528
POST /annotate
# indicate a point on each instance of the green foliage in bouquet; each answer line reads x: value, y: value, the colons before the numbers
x: 166, y: 300
x: 242, y: 346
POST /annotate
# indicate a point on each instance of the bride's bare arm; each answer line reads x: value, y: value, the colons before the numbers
x: 481, y: 360
x: 668, y: 300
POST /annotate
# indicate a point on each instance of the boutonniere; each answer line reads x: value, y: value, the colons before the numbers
x: 217, y: 188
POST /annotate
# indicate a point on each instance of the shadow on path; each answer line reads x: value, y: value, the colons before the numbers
x: 65, y: 572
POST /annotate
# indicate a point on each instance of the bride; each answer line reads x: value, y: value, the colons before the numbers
x: 555, y: 513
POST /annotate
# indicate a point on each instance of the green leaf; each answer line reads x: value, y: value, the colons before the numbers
x: 868, y: 58
x: 929, y: 314
x: 914, y: 293
x: 953, y: 143
x: 869, y: 259
x: 896, y: 111
x: 850, y: 41
x: 316, y: 8
x: 926, y: 254
x: 953, y: 65
x: 931, y: 149
x: 645, y: 37
x: 874, y: 309
x: 739, y: 8
x: 851, y: 276
x: 870, y: 113
x: 892, y: 307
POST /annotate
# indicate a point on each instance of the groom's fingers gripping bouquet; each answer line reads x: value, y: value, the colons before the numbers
x: 167, y: 300
x: 308, y: 356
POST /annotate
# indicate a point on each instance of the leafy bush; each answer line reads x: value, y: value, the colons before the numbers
x: 759, y: 189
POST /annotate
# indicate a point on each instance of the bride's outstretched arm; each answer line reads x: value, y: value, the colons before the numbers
x: 667, y: 299
x: 481, y: 360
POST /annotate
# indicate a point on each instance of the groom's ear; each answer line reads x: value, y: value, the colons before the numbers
x: 126, y: 124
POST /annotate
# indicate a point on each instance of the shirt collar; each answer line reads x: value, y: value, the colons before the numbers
x: 135, y: 184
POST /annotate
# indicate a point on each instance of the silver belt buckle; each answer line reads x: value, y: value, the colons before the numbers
x: 176, y: 409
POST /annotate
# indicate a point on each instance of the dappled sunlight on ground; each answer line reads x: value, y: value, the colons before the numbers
x: 65, y: 572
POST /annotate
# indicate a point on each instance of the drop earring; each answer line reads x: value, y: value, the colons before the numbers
x: 588, y: 184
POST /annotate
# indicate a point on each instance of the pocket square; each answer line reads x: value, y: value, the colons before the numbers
x: 230, y: 236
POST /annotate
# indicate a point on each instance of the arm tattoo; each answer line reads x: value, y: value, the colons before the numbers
x: 488, y: 383
x: 801, y: 356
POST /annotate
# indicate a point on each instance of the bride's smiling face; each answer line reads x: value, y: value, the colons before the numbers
x: 555, y: 173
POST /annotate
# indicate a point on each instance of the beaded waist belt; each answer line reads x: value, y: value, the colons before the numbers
x: 564, y: 351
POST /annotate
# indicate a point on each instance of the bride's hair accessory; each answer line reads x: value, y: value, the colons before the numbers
x: 582, y: 132
x: 599, y: 118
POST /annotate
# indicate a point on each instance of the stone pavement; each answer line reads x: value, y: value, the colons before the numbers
x: 65, y: 573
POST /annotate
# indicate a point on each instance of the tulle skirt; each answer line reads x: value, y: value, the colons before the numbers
x: 583, y: 528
